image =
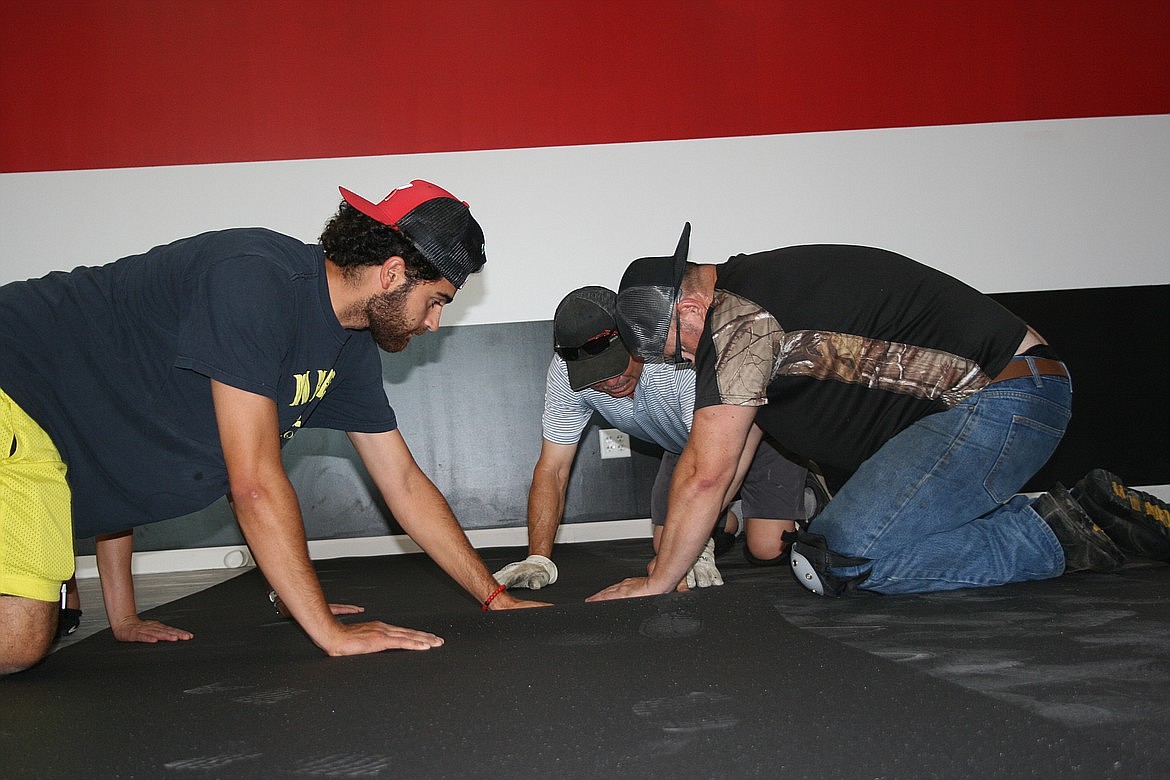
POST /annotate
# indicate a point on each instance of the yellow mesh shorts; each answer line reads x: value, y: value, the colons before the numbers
x: 36, y: 527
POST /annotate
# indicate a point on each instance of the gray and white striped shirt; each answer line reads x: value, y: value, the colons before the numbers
x: 659, y: 411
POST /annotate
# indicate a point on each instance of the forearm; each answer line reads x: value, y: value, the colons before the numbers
x: 697, y: 497
x: 425, y: 515
x: 268, y: 513
x: 546, y: 508
x: 698, y: 487
x: 681, y: 544
x: 114, y: 554
x: 270, y: 520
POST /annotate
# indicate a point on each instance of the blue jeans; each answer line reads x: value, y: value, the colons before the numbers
x: 936, y: 507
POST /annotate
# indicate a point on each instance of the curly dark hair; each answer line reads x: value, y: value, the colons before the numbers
x: 352, y: 240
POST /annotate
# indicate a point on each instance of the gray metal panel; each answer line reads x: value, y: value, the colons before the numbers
x: 468, y: 401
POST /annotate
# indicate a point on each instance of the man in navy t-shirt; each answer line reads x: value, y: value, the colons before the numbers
x: 148, y: 388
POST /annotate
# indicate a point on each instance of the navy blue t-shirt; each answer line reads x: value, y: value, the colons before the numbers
x: 115, y: 362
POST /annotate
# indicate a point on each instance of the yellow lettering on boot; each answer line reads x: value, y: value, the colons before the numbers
x: 1158, y: 513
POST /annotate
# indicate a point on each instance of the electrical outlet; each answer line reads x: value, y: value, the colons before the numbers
x: 614, y: 443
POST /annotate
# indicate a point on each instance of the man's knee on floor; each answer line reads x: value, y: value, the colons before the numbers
x: 27, y: 628
x: 819, y: 569
x: 764, y: 540
x: 21, y: 661
x: 839, y: 533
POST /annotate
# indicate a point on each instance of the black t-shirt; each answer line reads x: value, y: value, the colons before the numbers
x: 114, y: 363
x: 842, y: 347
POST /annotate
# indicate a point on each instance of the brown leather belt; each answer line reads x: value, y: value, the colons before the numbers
x: 1019, y: 368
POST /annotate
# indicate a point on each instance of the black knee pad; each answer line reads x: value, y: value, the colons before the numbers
x: 811, y: 561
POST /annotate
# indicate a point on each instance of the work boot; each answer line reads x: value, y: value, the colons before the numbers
x: 1086, y: 547
x: 1137, y: 522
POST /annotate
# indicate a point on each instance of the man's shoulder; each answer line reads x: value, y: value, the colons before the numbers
x: 659, y: 376
x: 259, y: 254
x: 258, y: 241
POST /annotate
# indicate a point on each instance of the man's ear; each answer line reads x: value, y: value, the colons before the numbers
x: 392, y: 272
x: 688, y: 305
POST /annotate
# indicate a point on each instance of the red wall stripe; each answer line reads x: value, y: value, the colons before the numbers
x: 159, y: 82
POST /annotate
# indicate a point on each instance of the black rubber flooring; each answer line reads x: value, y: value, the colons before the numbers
x: 1066, y: 678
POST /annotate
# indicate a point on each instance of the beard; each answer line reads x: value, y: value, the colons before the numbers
x: 388, y: 325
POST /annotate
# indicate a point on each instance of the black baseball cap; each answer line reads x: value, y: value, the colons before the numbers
x: 646, y: 298
x: 437, y: 223
x: 585, y: 335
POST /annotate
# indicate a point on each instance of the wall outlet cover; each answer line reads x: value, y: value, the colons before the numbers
x: 614, y: 443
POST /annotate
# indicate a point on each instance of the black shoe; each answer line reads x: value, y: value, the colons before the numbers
x: 724, y: 541
x: 816, y: 495
x: 1086, y: 547
x: 68, y: 621
x: 1137, y: 522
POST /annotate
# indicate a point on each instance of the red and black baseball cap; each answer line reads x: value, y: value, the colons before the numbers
x: 438, y: 224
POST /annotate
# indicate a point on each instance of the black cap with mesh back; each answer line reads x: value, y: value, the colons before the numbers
x: 587, y: 315
x: 438, y: 224
x: 448, y: 237
x: 646, y: 298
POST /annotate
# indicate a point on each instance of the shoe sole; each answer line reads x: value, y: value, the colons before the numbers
x: 1137, y: 522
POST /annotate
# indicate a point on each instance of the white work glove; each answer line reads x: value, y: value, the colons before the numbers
x: 533, y: 572
x: 704, y: 574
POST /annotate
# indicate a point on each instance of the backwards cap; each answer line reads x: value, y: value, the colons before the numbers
x: 646, y: 298
x: 437, y: 223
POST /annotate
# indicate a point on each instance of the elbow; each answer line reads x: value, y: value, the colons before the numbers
x: 556, y: 476
x: 257, y: 483
x: 704, y: 479
x: 711, y: 483
x: 245, y: 495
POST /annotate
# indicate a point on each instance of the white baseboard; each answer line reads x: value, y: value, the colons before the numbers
x: 239, y: 557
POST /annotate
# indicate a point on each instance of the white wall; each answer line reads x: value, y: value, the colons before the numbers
x: 1006, y: 207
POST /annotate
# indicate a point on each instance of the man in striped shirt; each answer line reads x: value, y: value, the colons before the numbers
x: 593, y: 372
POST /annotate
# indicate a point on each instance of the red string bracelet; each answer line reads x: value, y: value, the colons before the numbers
x: 492, y: 597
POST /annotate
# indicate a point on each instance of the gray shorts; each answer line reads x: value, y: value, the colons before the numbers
x: 773, y: 488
